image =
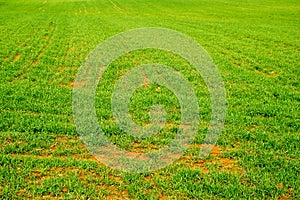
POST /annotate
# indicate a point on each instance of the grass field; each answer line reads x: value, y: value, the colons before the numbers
x: 255, y: 45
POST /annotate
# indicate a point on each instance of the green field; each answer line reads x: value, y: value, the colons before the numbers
x: 254, y: 43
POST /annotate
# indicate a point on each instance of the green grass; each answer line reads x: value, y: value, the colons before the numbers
x: 255, y: 45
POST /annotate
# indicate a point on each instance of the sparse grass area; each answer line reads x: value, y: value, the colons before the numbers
x: 255, y: 45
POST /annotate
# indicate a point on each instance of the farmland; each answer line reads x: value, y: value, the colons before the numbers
x: 255, y: 45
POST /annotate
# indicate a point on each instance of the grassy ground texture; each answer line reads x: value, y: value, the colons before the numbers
x: 255, y: 45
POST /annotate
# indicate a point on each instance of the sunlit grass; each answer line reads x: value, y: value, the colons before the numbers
x: 255, y: 45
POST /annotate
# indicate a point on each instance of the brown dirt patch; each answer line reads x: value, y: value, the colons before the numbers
x: 6, y: 58
x: 9, y: 139
x: 215, y: 151
x: 49, y: 196
x: 281, y: 197
x: 115, y: 193
x: 73, y: 84
x: 91, y: 158
x: 146, y: 81
x: 17, y: 57
x: 21, y: 192
x: 37, y: 174
x: 113, y: 197
x: 224, y: 164
x: 64, y: 190
x: 116, y: 178
x: 139, y: 148
x: 35, y: 62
